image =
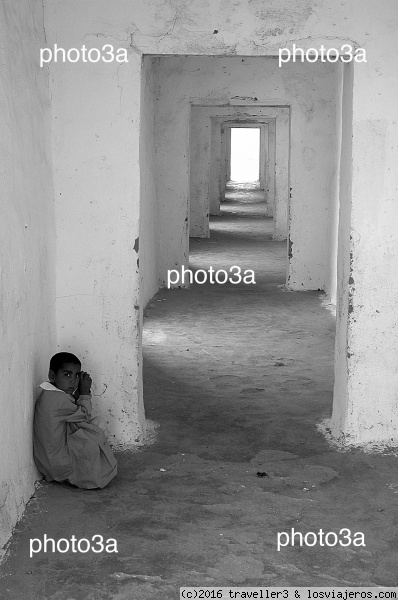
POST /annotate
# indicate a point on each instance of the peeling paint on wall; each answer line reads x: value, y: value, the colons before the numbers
x: 290, y: 252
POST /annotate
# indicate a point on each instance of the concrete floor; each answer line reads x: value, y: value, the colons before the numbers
x: 236, y: 379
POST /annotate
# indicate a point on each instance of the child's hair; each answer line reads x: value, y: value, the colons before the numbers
x: 61, y: 358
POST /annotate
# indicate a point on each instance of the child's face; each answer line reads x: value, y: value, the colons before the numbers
x: 66, y: 378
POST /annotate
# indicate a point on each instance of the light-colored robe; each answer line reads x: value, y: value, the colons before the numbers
x: 68, y: 446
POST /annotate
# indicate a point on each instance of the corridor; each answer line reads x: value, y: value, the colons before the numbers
x: 236, y: 378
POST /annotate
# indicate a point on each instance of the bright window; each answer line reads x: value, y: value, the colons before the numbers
x: 245, y: 154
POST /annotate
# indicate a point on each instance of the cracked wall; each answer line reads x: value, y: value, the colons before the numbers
x: 27, y: 249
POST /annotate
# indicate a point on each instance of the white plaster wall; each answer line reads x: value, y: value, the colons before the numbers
x: 227, y: 156
x: 314, y: 128
x: 148, y: 247
x: 264, y: 158
x: 370, y: 406
x: 272, y: 167
x: 280, y: 210
x: 27, y: 286
x: 310, y: 91
x: 202, y: 129
x: 172, y: 134
x: 340, y: 396
x: 215, y: 166
x: 95, y: 141
x: 225, y: 148
x: 334, y: 202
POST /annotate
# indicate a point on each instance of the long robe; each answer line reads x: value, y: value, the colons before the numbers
x: 66, y: 445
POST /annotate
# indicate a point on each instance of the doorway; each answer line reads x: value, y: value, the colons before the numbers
x: 245, y: 155
x: 200, y: 97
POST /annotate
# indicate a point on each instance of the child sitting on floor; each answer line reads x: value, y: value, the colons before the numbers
x: 70, y: 445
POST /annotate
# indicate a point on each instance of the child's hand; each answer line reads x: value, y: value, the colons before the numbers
x: 85, y: 383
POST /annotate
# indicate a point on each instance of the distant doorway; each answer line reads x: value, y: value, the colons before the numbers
x: 245, y: 154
